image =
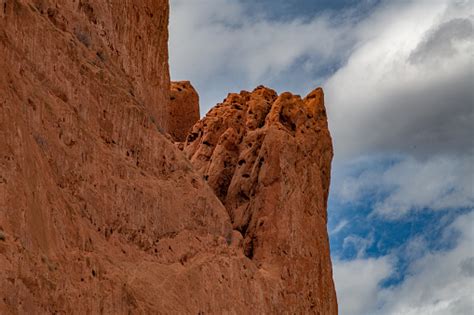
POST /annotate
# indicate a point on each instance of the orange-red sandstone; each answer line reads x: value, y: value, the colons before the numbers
x: 101, y: 213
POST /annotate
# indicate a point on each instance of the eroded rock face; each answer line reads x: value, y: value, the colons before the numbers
x: 100, y: 213
x: 183, y: 110
x: 88, y: 185
x: 268, y: 159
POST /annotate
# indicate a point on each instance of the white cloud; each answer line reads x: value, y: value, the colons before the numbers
x: 359, y: 244
x: 403, y: 87
x: 437, y: 283
x: 222, y: 47
x: 438, y: 183
x: 357, y: 283
x: 339, y: 227
x: 407, y: 87
x: 441, y: 282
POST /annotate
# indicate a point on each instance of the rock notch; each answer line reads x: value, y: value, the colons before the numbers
x: 182, y: 111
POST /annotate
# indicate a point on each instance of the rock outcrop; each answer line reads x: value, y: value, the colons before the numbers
x: 268, y: 158
x: 101, y: 213
x: 183, y: 110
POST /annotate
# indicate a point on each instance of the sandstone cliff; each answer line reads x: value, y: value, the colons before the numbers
x: 101, y: 213
x: 268, y: 157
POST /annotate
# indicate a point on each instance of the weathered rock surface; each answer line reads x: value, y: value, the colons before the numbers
x: 101, y: 213
x: 88, y: 186
x: 268, y: 159
x: 182, y: 111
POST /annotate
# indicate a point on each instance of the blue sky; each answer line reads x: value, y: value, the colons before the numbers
x: 289, y: 10
x: 398, y: 80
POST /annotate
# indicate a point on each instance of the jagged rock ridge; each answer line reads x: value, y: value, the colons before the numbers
x: 268, y: 159
x: 101, y: 213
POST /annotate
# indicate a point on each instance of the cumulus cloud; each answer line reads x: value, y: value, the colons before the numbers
x: 398, y: 84
x: 407, y: 87
x: 437, y: 184
x: 397, y: 80
x: 437, y: 283
x: 441, y: 42
x: 357, y: 283
x: 407, y: 185
x: 223, y: 46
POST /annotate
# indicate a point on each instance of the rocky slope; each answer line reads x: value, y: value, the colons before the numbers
x: 99, y: 210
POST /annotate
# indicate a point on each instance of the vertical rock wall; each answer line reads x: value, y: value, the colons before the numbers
x: 100, y: 213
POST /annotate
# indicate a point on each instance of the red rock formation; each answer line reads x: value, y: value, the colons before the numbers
x: 100, y: 213
x: 268, y: 159
x: 183, y: 110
